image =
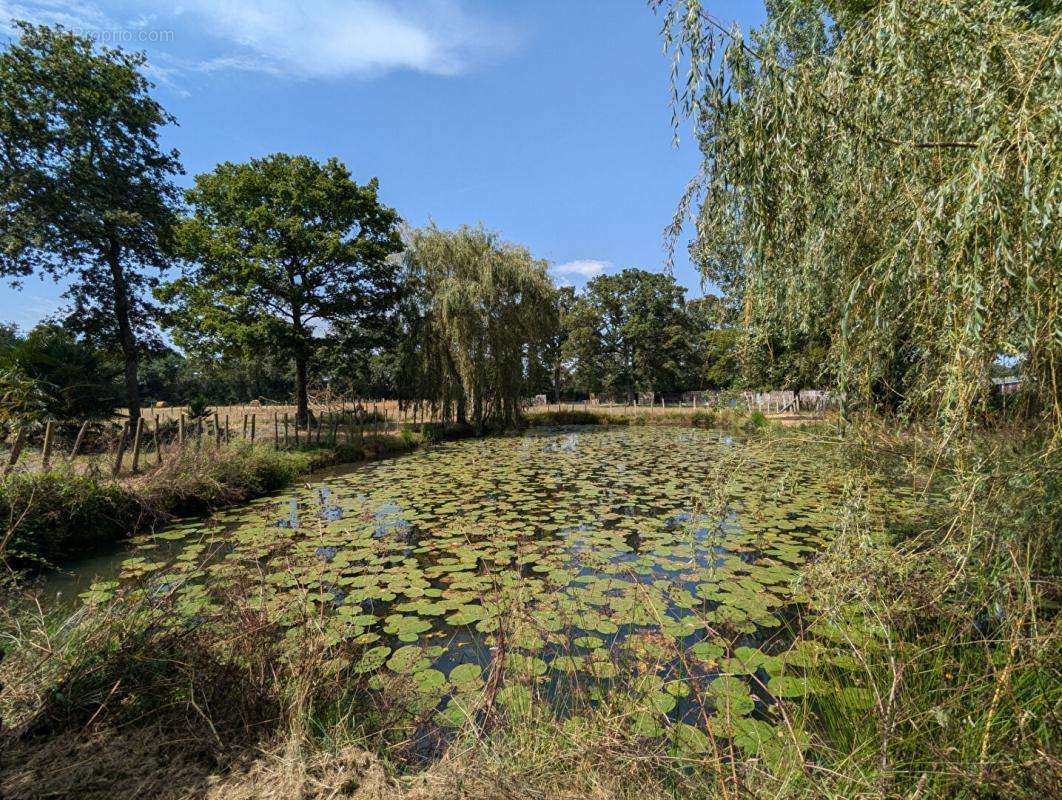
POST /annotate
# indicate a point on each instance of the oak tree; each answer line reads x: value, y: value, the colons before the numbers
x: 279, y: 253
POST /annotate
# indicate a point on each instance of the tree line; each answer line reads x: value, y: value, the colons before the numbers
x: 270, y: 277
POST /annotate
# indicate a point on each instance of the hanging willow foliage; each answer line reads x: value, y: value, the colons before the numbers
x: 477, y: 305
x: 885, y: 174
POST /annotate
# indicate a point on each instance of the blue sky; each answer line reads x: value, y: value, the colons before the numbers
x: 546, y: 120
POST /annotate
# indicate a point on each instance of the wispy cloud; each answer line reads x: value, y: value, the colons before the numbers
x: 333, y: 38
x: 585, y: 268
x: 70, y: 14
x: 308, y: 39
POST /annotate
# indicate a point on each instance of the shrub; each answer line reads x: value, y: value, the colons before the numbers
x: 757, y: 420
x: 54, y: 515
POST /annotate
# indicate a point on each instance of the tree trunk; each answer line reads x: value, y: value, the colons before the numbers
x: 630, y: 378
x: 126, y: 337
x: 302, y: 402
x: 477, y: 411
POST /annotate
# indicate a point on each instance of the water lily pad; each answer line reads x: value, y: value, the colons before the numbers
x: 688, y: 740
x: 466, y: 675
x: 372, y: 659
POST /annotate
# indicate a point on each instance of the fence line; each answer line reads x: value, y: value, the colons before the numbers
x: 103, y: 445
x: 770, y: 402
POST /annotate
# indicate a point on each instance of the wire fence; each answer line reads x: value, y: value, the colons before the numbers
x: 120, y: 446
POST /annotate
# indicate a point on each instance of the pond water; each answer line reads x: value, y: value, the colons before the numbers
x: 580, y: 564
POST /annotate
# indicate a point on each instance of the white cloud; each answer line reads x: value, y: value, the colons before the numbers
x: 333, y: 38
x: 308, y: 39
x: 68, y: 13
x: 586, y: 268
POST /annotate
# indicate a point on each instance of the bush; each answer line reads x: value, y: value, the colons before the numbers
x: 757, y: 420
x: 573, y: 417
x: 54, y: 515
x: 194, y: 481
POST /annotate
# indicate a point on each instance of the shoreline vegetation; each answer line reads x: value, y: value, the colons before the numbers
x: 51, y: 516
x: 957, y: 654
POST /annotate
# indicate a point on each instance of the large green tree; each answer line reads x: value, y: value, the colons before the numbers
x: 477, y: 307
x: 629, y: 333
x: 546, y: 368
x: 280, y: 252
x: 85, y: 187
x: 883, y: 179
x: 716, y: 355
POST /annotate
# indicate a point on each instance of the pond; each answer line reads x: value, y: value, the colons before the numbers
x: 656, y: 564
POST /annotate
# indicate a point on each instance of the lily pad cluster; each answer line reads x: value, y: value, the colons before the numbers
x: 569, y: 563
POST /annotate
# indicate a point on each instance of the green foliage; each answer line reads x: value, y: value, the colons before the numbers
x: 176, y: 378
x: 547, y: 372
x: 476, y: 306
x: 536, y: 418
x: 630, y: 333
x: 884, y: 183
x: 22, y: 399
x: 48, y: 517
x: 198, y: 408
x: 73, y: 380
x: 277, y: 249
x: 86, y: 190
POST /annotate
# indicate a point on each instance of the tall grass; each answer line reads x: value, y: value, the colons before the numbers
x: 946, y: 617
x: 49, y: 516
x: 724, y: 417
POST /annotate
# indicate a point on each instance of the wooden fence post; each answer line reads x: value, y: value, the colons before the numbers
x: 226, y: 429
x: 16, y: 449
x: 253, y: 418
x: 217, y: 431
x: 285, y: 429
x: 158, y: 441
x: 136, y: 444
x: 297, y: 430
x: 49, y: 432
x: 180, y: 432
x: 276, y: 430
x: 77, y: 440
x: 120, y: 454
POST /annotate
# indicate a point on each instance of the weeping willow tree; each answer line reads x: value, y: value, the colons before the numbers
x: 886, y: 176
x: 477, y: 307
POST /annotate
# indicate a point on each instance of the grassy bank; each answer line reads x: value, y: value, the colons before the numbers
x: 53, y: 515
x: 726, y: 418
